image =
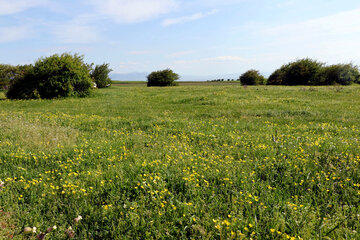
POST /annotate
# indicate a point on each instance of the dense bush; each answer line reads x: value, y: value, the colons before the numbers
x: 53, y: 77
x: 278, y: 76
x: 10, y: 74
x: 24, y: 87
x: 252, y: 77
x: 100, y: 75
x: 162, y: 78
x: 310, y: 72
x: 301, y: 72
x: 344, y: 74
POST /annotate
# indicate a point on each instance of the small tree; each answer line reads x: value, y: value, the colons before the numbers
x: 252, y: 77
x: 100, y: 75
x: 53, y: 77
x: 162, y: 78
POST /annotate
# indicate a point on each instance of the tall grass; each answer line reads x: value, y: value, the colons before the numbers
x: 191, y: 162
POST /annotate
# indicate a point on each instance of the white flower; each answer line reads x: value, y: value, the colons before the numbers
x: 34, y: 229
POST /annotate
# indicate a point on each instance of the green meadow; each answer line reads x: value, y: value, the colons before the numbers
x: 187, y: 162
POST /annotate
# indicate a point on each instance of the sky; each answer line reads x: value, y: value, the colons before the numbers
x: 192, y: 37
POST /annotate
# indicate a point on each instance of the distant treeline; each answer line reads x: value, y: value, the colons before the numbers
x: 223, y: 80
x: 305, y: 72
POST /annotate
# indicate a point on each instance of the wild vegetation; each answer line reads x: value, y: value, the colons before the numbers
x: 162, y: 78
x: 311, y: 72
x: 7, y: 72
x: 343, y: 74
x: 192, y: 162
x: 57, y: 76
x: 53, y: 77
x: 252, y: 77
x: 305, y: 72
x: 100, y: 75
x: 10, y: 74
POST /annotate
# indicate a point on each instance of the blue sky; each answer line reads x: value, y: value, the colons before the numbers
x: 193, y: 37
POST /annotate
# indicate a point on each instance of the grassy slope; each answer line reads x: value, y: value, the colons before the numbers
x: 190, y: 161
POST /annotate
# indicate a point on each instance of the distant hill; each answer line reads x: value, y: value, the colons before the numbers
x: 209, y: 77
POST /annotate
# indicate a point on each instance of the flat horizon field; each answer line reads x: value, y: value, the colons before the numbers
x: 189, y: 162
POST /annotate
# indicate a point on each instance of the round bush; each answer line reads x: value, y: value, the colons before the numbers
x: 252, y: 77
x: 162, y: 78
x: 53, y: 77
x: 303, y: 72
x: 100, y: 75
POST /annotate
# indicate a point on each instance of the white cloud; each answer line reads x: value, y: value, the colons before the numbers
x: 331, y: 38
x: 128, y: 63
x: 219, y: 59
x: 226, y: 59
x: 130, y: 11
x: 11, y: 34
x: 75, y: 32
x: 213, y: 3
x: 179, y: 54
x: 14, y: 6
x: 184, y: 19
x: 334, y: 38
x: 285, y: 4
x: 334, y: 25
x: 145, y: 52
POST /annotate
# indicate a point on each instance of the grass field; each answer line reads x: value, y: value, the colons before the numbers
x: 188, y: 162
x: 181, y: 83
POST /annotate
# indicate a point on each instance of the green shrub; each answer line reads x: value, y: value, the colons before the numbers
x: 100, y: 75
x: 162, y: 78
x: 252, y: 77
x: 344, y: 74
x: 12, y: 79
x: 21, y: 70
x: 301, y: 72
x: 53, y: 77
x: 278, y: 76
x: 24, y: 87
